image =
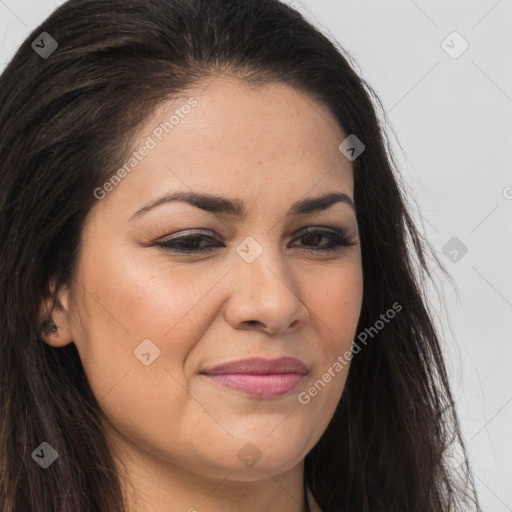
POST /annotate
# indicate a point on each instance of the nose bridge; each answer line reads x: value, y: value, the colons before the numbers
x: 264, y: 291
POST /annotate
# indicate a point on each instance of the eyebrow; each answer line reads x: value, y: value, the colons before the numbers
x: 219, y: 205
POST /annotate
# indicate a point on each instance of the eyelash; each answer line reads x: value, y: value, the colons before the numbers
x: 339, y: 239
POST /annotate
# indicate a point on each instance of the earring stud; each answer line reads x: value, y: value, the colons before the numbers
x: 49, y: 326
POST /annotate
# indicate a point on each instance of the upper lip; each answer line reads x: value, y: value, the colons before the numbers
x: 260, y: 366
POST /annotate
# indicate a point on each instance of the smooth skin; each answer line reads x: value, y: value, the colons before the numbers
x: 174, y: 431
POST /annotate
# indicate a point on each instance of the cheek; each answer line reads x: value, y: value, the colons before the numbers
x: 122, y: 307
x: 130, y: 298
x: 158, y: 297
x: 335, y: 301
x: 145, y: 296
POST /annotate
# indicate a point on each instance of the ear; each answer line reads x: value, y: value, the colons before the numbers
x: 59, y: 314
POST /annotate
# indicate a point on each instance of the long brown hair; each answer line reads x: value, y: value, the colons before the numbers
x: 67, y: 122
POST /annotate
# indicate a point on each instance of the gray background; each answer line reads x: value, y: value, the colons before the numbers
x: 452, y: 118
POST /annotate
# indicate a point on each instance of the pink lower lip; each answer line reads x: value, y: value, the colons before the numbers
x: 265, y: 386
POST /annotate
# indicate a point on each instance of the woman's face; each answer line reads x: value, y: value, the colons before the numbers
x: 149, y: 321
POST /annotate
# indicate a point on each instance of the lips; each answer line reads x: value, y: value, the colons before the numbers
x: 265, y: 378
x: 261, y: 366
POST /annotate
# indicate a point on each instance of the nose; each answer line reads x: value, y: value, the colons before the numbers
x: 265, y: 296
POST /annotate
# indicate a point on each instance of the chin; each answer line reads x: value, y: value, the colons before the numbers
x: 250, y: 461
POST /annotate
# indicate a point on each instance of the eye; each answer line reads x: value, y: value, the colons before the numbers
x: 338, y: 239
x: 192, y: 243
x: 188, y: 243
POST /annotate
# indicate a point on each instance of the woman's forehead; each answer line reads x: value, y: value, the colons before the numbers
x: 231, y: 139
